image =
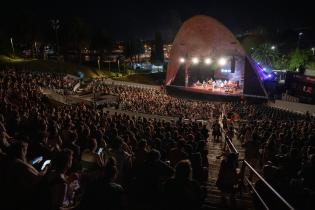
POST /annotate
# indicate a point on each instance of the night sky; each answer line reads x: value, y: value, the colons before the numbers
x: 142, y: 18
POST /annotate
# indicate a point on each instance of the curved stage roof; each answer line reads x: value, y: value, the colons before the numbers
x: 201, y: 36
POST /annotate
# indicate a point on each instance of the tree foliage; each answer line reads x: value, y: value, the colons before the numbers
x: 133, y: 49
x: 265, y: 54
x: 157, y: 53
x: 298, y: 59
x: 75, y: 34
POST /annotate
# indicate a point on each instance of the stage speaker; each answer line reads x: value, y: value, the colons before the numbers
x: 233, y: 65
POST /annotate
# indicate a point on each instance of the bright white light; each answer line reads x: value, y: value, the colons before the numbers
x: 195, y: 60
x: 264, y: 69
x: 222, y: 61
x: 182, y: 60
x: 226, y: 70
x: 208, y: 61
x: 300, y: 34
x: 273, y: 47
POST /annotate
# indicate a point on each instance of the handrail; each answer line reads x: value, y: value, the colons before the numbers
x: 233, y: 149
x: 268, y: 185
x: 257, y: 194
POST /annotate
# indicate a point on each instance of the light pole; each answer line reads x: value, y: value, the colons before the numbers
x: 56, y: 25
x: 11, y: 39
x: 299, y: 38
x: 98, y: 62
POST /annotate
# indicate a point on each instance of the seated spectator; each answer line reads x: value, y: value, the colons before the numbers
x: 307, y: 173
x: 178, y: 153
x: 104, y: 193
x: 149, y: 180
x: 53, y: 190
x: 182, y: 192
x: 123, y: 158
x: 20, y: 178
x: 89, y: 159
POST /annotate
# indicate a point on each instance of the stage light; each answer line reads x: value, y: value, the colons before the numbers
x: 222, y: 61
x: 195, y: 60
x: 208, y: 61
x: 182, y: 60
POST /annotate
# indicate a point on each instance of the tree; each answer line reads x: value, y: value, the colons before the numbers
x: 281, y: 62
x: 157, y: 53
x: 298, y: 59
x: 102, y: 41
x: 266, y: 54
x: 76, y: 34
x: 133, y: 49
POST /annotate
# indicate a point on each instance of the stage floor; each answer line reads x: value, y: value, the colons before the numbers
x: 214, y: 91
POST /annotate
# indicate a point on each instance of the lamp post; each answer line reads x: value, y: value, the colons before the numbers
x: 98, y: 62
x: 299, y: 38
x: 11, y: 39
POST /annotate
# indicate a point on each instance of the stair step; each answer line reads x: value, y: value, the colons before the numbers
x: 213, y: 200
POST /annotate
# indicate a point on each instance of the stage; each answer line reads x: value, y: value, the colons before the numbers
x: 201, y: 94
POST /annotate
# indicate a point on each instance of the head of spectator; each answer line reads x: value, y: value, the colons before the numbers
x: 62, y: 161
x: 18, y: 150
x: 183, y: 170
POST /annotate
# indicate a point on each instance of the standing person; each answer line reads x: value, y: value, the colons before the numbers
x: 227, y: 177
x: 216, y: 131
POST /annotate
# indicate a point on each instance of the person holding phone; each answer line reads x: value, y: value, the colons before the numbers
x: 21, y: 178
x: 90, y: 160
x: 51, y: 194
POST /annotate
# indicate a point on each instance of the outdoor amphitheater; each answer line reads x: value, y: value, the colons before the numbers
x: 210, y: 138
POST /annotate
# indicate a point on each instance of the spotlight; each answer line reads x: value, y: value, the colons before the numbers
x: 208, y: 61
x: 195, y: 60
x: 182, y: 60
x: 222, y: 61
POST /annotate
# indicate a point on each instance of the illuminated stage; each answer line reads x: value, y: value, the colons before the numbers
x: 224, y: 89
x: 208, y: 62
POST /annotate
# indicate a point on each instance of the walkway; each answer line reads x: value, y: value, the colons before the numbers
x: 213, y: 199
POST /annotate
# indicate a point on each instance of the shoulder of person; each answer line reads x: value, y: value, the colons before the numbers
x: 116, y: 187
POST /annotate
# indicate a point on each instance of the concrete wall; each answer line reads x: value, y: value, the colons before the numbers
x: 293, y: 106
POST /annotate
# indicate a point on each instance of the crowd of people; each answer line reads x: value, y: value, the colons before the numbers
x: 77, y: 157
x: 155, y: 101
x: 280, y: 144
x: 80, y: 157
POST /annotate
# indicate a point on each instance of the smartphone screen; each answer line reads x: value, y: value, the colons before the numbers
x: 45, y: 164
x: 100, y: 150
x: 37, y: 160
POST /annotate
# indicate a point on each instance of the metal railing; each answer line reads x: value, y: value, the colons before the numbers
x: 249, y: 181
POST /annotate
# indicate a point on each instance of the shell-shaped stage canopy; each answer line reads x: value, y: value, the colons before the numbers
x: 201, y: 36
